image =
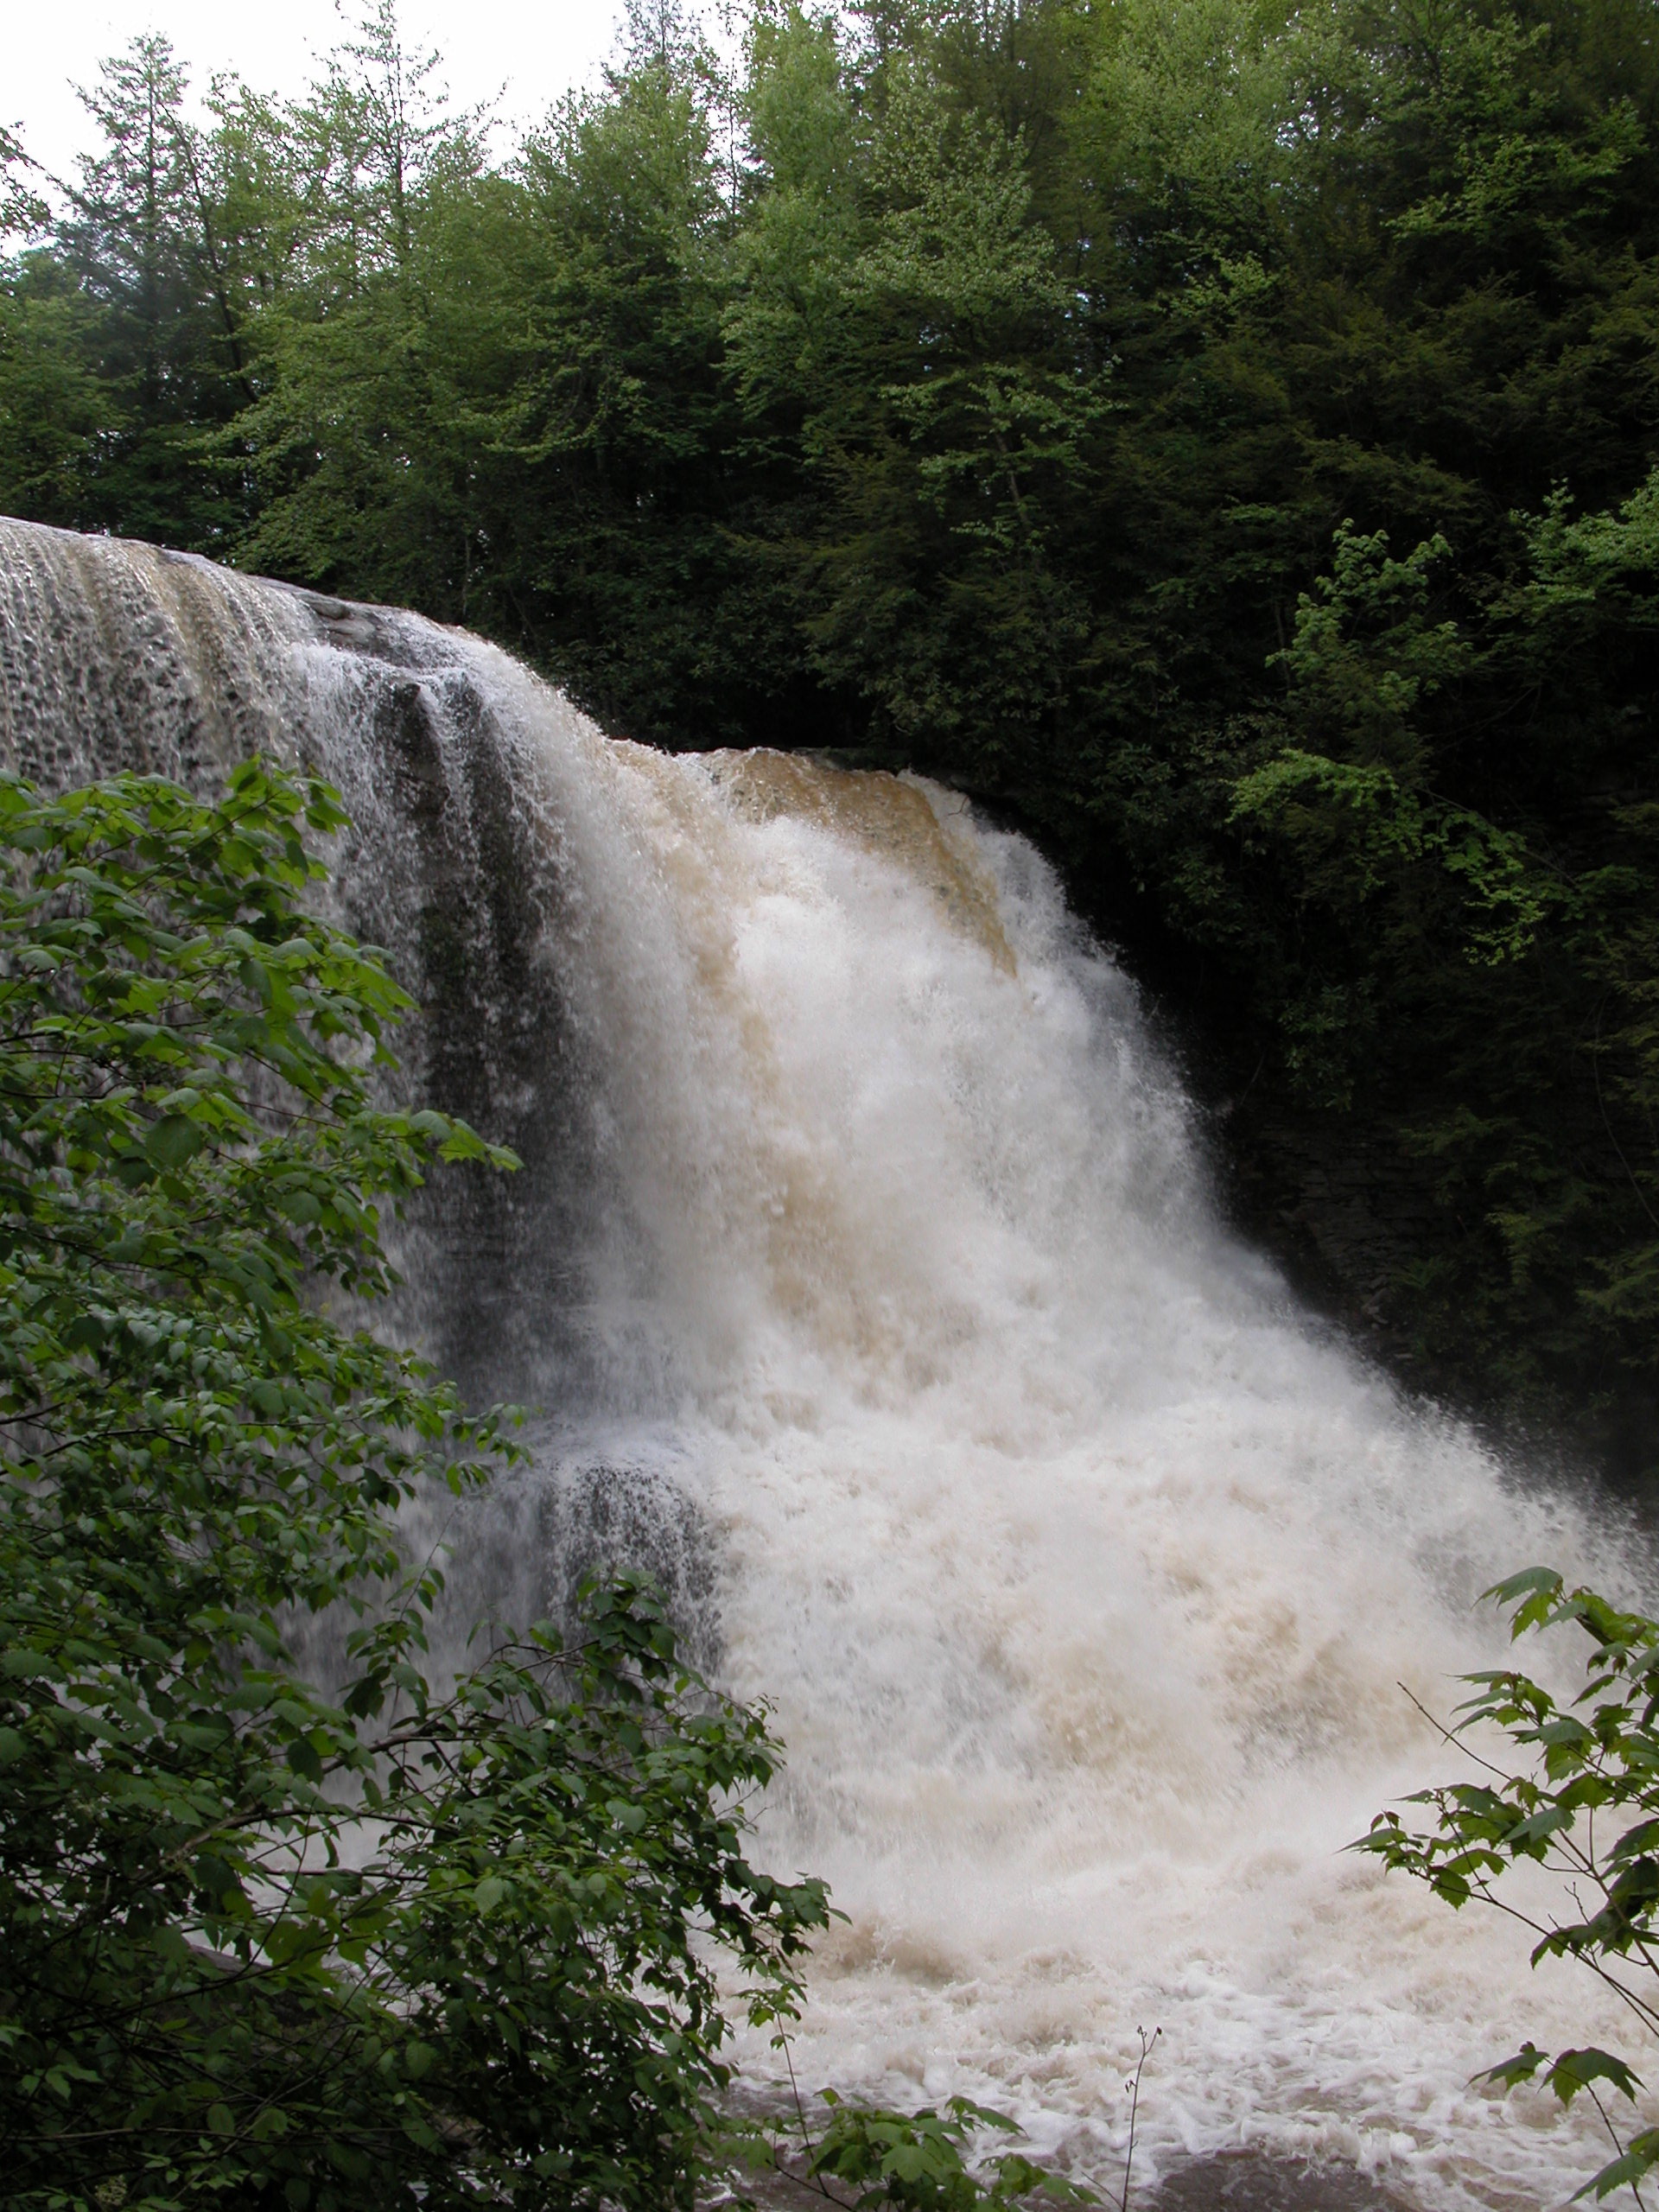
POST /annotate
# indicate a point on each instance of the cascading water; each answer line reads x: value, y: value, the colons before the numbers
x: 864, y: 1273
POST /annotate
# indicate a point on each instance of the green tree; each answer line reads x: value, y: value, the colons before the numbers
x: 21, y: 208
x: 141, y: 243
x: 900, y: 300
x: 56, y: 412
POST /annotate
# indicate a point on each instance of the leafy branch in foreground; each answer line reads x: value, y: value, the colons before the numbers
x: 1585, y: 1805
x: 864, y: 2156
x: 380, y: 1947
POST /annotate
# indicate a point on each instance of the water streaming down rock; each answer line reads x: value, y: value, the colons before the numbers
x: 863, y: 1269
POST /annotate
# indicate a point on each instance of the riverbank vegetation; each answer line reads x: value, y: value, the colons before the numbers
x: 1223, y: 436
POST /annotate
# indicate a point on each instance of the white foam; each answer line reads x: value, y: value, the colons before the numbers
x: 1082, y: 1572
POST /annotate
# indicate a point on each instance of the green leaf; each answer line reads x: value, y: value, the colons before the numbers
x: 1523, y: 2067
x: 173, y: 1140
x: 1640, y: 2156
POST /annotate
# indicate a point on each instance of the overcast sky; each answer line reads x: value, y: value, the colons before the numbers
x: 534, y: 49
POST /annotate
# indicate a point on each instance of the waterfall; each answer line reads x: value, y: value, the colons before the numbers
x: 865, y: 1281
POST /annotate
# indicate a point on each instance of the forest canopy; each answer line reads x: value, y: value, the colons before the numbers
x: 1221, y: 434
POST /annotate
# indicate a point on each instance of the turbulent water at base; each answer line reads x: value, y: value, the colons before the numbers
x: 863, y: 1272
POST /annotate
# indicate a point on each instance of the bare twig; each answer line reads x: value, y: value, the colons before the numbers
x: 1448, y: 1736
x: 1133, y: 2085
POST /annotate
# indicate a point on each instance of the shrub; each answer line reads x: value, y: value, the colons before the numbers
x: 1579, y: 1794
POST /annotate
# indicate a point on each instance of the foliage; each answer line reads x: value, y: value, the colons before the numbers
x: 918, y: 2161
x: 1222, y: 435
x: 384, y: 1943
x: 22, y: 209
x: 1581, y: 1798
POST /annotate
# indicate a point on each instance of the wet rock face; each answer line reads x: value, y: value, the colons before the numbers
x: 1232, y: 2182
x: 1240, y: 2182
x: 472, y: 909
x: 548, y: 1528
x: 117, y: 657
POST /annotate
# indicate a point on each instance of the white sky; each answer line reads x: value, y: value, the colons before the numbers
x: 535, y: 48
